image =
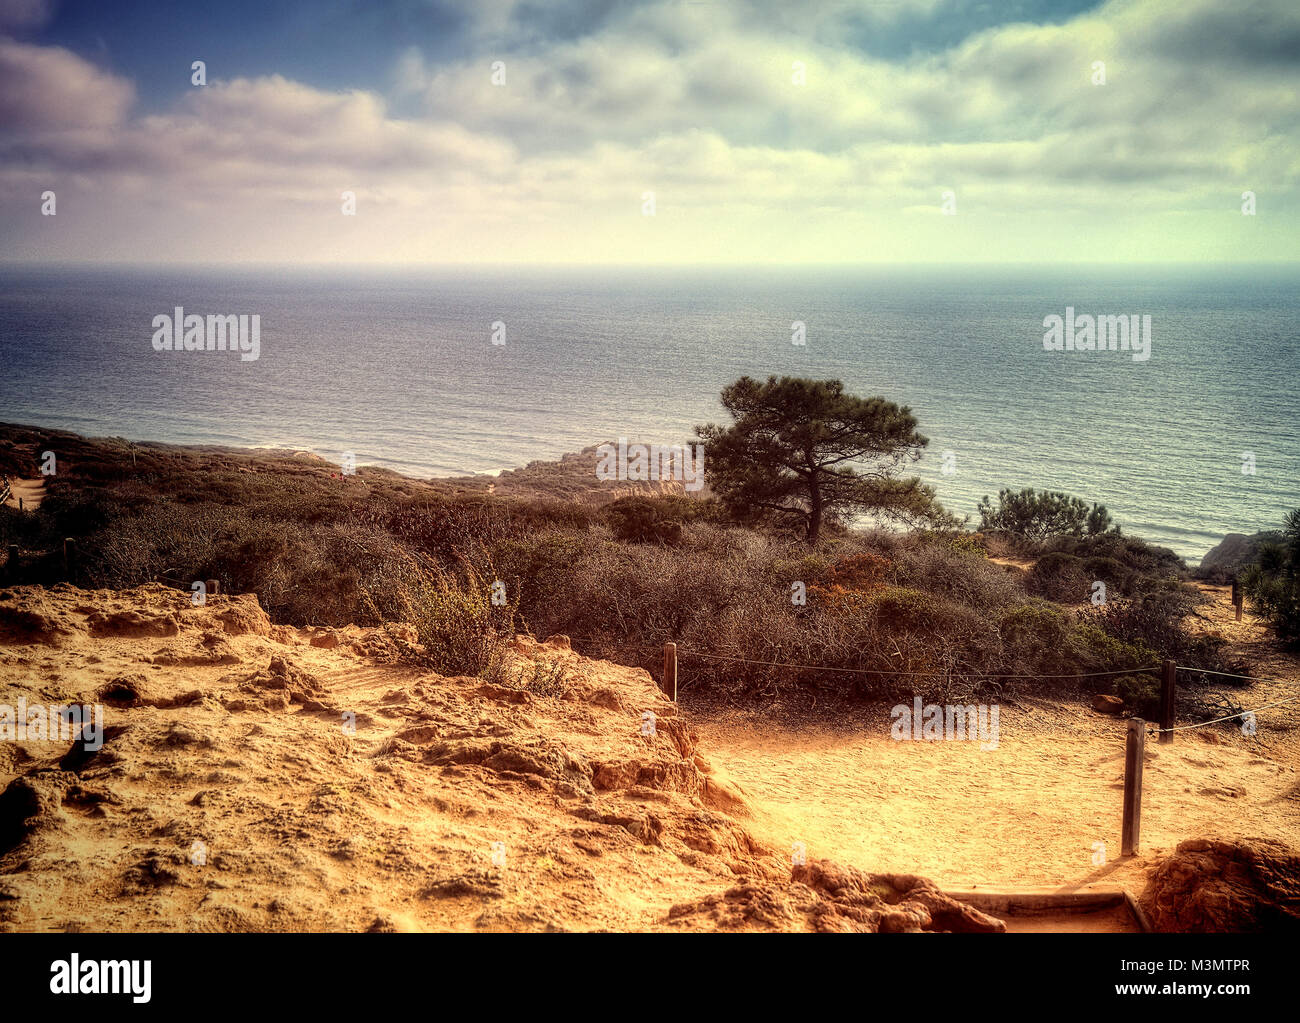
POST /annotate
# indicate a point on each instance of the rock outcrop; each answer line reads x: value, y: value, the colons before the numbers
x: 256, y: 777
x: 1233, y: 553
x: 1226, y: 887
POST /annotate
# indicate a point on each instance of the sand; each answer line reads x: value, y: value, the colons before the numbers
x: 32, y: 493
x: 1029, y: 812
x: 227, y: 730
x: 233, y: 793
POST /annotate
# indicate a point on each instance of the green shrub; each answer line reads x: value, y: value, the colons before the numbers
x: 1140, y: 693
x: 1272, y: 584
x: 1035, y: 638
x: 1108, y: 571
x: 461, y: 630
x: 1061, y: 577
x: 642, y: 520
x: 1037, y: 515
x: 1094, y: 650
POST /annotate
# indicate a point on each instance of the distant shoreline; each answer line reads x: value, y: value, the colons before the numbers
x: 564, y: 478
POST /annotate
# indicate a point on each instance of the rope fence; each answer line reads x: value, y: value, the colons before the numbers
x: 1227, y: 717
x: 943, y: 672
x: 678, y: 651
x: 1229, y: 674
x: 1136, y: 733
x: 886, y: 671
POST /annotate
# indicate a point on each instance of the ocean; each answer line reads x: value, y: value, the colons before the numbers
x: 398, y: 365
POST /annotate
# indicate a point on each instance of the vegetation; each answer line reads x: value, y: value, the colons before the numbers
x: 1272, y: 583
x: 924, y: 612
x: 1037, y: 515
x: 804, y: 452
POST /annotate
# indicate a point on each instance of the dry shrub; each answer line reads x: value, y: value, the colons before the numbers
x: 907, y: 612
x: 459, y: 628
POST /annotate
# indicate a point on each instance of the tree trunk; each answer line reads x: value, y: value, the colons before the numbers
x: 814, y: 513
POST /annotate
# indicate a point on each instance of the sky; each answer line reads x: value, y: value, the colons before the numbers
x: 650, y: 131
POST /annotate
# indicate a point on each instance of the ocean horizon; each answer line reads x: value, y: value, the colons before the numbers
x: 441, y: 371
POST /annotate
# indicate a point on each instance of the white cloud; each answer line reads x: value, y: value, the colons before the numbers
x: 553, y: 164
x: 46, y: 89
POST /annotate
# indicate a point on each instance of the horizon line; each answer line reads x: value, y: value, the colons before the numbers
x: 379, y: 264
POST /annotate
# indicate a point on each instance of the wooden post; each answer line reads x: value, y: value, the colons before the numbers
x: 69, y: 555
x: 212, y: 587
x: 1168, y: 684
x: 1134, y: 756
x: 1239, y: 603
x: 670, y: 671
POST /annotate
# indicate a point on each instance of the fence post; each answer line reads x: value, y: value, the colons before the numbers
x: 1134, y: 756
x: 211, y: 587
x: 670, y: 671
x: 69, y: 556
x: 1168, y: 681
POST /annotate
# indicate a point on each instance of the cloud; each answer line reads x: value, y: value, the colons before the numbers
x: 25, y: 14
x: 700, y: 105
x: 47, y: 90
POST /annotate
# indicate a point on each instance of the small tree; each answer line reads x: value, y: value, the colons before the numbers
x: 804, y: 451
x: 644, y: 520
x: 1273, y: 582
x: 1037, y: 515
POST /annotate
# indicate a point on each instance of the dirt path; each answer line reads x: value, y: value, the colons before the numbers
x: 1026, y: 813
x: 32, y: 493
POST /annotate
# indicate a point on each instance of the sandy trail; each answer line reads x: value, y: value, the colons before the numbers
x: 1028, y: 812
x: 1024, y: 814
x: 32, y: 493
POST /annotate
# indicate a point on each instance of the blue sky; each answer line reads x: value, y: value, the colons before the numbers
x: 331, y: 44
x: 351, y: 44
x: 762, y: 130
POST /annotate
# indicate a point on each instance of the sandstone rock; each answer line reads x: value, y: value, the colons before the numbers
x: 503, y: 694
x: 32, y: 804
x: 823, y: 896
x: 1251, y: 886
x: 241, y: 614
x: 607, y: 698
x: 132, y: 624
x: 1104, y: 703
x: 26, y: 624
x: 1233, y: 553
